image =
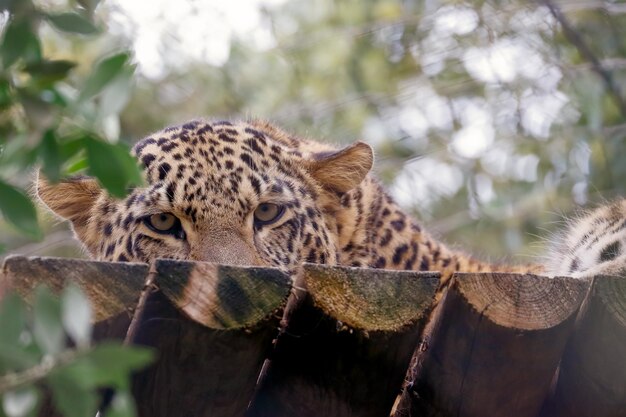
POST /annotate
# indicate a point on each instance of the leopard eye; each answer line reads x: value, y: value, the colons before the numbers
x: 165, y: 223
x: 267, y: 213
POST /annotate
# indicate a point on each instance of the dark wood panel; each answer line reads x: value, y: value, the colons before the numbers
x: 347, y: 343
x: 495, y: 344
x: 213, y: 327
x: 592, y: 376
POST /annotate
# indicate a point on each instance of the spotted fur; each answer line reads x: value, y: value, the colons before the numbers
x: 213, y: 175
x: 593, y: 244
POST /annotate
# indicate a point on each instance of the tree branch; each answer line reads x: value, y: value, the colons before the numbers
x: 575, y: 39
x: 14, y: 380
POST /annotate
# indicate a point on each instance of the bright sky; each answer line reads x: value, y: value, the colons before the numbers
x: 195, y: 30
x: 201, y: 31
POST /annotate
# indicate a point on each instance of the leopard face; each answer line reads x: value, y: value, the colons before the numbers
x: 241, y: 193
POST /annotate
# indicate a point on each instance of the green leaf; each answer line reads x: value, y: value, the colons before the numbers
x: 13, y: 354
x: 115, y: 96
x: 70, y: 396
x: 19, y: 41
x: 105, y: 71
x: 47, y: 71
x: 18, y: 210
x: 113, y: 165
x: 47, y: 326
x: 77, y: 166
x: 6, y: 98
x: 118, y: 357
x: 20, y: 403
x: 71, y: 147
x: 108, y: 365
x: 50, y: 155
x: 76, y: 313
x: 72, y: 23
x: 13, y: 319
x: 39, y: 111
x: 7, y: 4
x: 17, y: 358
x: 15, y: 7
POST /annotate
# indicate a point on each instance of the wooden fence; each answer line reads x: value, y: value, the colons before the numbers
x: 238, y: 341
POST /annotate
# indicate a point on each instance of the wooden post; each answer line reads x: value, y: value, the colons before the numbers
x: 347, y: 343
x: 112, y: 288
x: 592, y: 375
x: 496, y: 342
x: 212, y: 326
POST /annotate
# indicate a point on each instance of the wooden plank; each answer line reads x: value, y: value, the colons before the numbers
x: 495, y: 345
x: 213, y: 327
x: 592, y: 375
x: 347, y: 343
x: 113, y: 288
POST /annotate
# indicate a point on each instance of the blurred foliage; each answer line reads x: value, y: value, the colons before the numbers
x: 52, y: 116
x: 488, y: 122
x: 34, y: 356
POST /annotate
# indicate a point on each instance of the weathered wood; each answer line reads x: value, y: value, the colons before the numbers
x: 592, y: 375
x: 347, y: 343
x: 221, y: 296
x: 212, y: 326
x: 495, y: 345
x: 490, y: 348
x: 113, y: 288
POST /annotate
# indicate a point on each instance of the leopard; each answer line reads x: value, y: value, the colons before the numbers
x: 246, y: 192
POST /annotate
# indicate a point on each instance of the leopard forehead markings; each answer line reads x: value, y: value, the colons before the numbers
x: 196, y: 172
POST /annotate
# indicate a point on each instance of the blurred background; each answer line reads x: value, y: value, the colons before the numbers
x: 492, y: 120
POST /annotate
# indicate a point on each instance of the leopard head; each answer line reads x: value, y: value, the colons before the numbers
x: 242, y: 193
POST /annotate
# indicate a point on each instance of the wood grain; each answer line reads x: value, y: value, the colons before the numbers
x: 592, y: 375
x: 211, y: 347
x: 112, y: 288
x: 495, y: 345
x: 349, y: 336
x: 222, y: 296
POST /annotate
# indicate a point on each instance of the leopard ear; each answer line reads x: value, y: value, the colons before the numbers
x: 342, y: 170
x: 71, y: 198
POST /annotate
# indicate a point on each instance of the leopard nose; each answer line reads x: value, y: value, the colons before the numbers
x: 233, y: 251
